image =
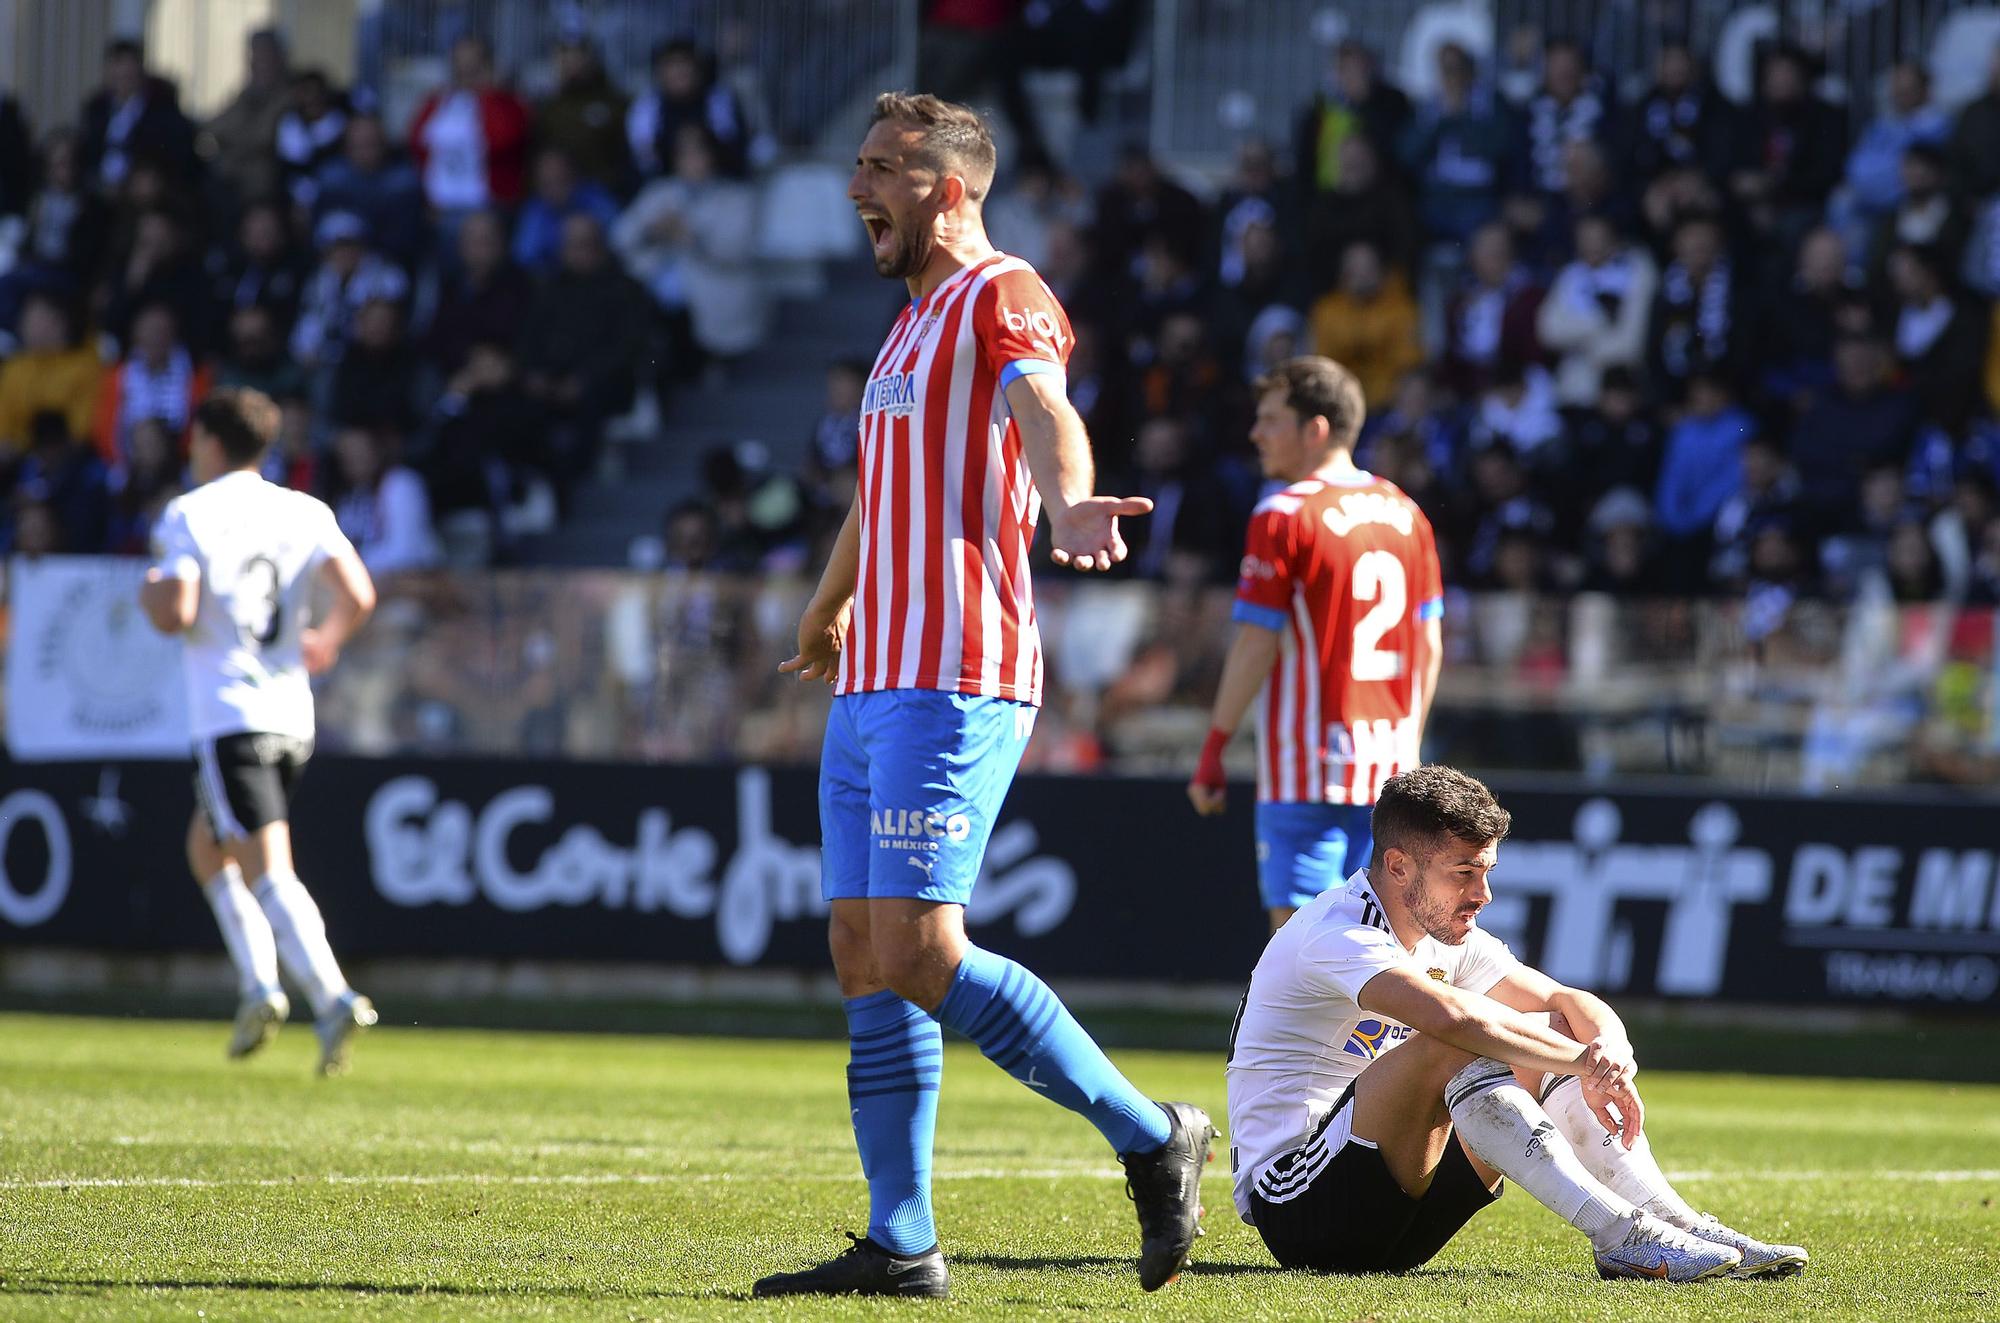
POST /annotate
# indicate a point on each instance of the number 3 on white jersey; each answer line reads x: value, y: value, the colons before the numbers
x: 1378, y: 578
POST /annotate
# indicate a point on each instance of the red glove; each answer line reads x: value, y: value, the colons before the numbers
x: 1208, y: 772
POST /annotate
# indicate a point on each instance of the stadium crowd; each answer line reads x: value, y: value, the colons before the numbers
x: 1661, y: 346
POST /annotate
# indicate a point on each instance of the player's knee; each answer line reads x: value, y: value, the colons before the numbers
x: 853, y: 955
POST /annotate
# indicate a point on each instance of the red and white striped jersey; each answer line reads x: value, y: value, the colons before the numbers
x: 1347, y: 574
x: 943, y: 599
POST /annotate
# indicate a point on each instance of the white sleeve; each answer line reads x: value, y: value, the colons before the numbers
x: 174, y: 552
x: 1486, y: 961
x: 1342, y: 960
x: 328, y: 540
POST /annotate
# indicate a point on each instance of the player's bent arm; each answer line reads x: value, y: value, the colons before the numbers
x: 353, y: 597
x: 1528, y: 989
x: 1053, y: 439
x: 1472, y: 1023
x: 169, y: 603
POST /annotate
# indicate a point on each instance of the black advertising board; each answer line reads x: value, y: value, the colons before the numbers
x: 1716, y: 896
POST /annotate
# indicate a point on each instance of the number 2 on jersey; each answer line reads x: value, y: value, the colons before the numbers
x: 1378, y: 578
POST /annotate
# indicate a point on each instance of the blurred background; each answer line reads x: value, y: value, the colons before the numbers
x: 1677, y: 318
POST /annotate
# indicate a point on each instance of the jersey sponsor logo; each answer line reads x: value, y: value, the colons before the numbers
x: 893, y: 395
x: 1048, y: 335
x: 1256, y: 567
x: 1371, y: 1038
x: 1354, y: 509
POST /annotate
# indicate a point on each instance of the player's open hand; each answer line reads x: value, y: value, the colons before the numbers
x: 821, y: 637
x: 1085, y: 535
x: 317, y: 651
x: 1620, y: 1111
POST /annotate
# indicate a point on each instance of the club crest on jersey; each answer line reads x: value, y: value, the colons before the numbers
x: 1436, y: 973
x: 1357, y: 508
x: 894, y: 395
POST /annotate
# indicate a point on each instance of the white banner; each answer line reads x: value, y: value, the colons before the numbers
x: 87, y: 676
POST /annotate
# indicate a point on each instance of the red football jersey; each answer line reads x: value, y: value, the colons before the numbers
x: 1347, y: 574
x: 948, y: 507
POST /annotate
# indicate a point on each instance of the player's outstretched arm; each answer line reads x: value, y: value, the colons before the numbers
x: 1252, y: 654
x: 823, y: 627
x: 1083, y: 529
x: 353, y: 594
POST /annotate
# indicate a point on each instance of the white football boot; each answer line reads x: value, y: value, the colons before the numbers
x: 1663, y: 1252
x: 337, y: 1028
x: 1759, y: 1259
x: 258, y: 1018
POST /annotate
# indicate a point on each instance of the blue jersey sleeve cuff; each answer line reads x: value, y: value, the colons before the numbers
x: 1249, y: 613
x: 1431, y: 610
x: 1028, y: 367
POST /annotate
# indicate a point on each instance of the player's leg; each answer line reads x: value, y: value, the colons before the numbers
x: 939, y: 768
x: 895, y: 1056
x: 1634, y: 1174
x: 261, y: 1006
x: 258, y: 773
x: 1303, y: 849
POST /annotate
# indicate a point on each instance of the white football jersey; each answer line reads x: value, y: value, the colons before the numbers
x: 1301, y: 1037
x: 253, y: 547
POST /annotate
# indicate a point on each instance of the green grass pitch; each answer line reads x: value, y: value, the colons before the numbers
x: 462, y: 1174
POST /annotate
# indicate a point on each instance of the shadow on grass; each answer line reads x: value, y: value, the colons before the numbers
x: 60, y: 1286
x: 1044, y: 1262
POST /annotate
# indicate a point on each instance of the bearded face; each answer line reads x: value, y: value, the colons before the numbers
x: 1448, y: 890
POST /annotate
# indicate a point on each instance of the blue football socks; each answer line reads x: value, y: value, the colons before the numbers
x: 1024, y: 1029
x: 896, y: 1054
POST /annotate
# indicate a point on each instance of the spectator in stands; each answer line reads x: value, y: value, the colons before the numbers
x: 310, y: 133
x: 1183, y: 380
x: 1770, y: 489
x: 257, y: 357
x: 1680, y: 121
x: 1355, y: 102
x: 62, y: 473
x: 375, y: 382
x: 585, y: 118
x: 381, y: 505
x: 1796, y: 327
x: 159, y: 382
x: 1366, y: 206
x: 1368, y: 324
x: 1259, y: 279
x: 685, y: 91
x: 36, y: 531
x: 1701, y: 469
x: 489, y: 446
x: 1697, y: 320
x: 265, y: 268
x: 1191, y: 515
x: 1940, y: 342
x: 1596, y: 315
x: 67, y: 226
x: 17, y: 164
x: 558, y: 195
x: 1021, y: 219
x: 1974, y: 152
x: 1502, y: 502
x: 579, y: 351
x: 161, y: 266
x: 1856, y: 551
x: 693, y: 540
x: 142, y: 483
x: 52, y: 371
x: 133, y: 115
x: 1874, y: 175
x: 348, y: 276
x: 1491, y: 320
x: 1620, y: 556
x: 1462, y: 150
x: 1571, y: 106
x: 1861, y: 422
x: 833, y: 444
x: 1615, y: 444
x: 470, y: 138
x: 484, y: 296
x: 1788, y: 151
x: 385, y: 193
x: 1139, y: 203
x: 241, y: 142
x: 1518, y: 408
x: 1927, y: 215
x: 1678, y: 194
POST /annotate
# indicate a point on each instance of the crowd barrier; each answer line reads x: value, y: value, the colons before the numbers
x: 1638, y: 892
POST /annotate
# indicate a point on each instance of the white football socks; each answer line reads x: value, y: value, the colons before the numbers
x: 1630, y: 1173
x: 246, y: 933
x: 301, y: 939
x: 1503, y: 1124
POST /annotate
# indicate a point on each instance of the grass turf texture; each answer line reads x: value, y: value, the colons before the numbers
x: 471, y: 1174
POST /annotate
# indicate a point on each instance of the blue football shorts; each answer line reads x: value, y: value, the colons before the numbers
x: 910, y: 782
x: 1302, y: 849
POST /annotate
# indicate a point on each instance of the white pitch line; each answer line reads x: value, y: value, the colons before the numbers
x: 1944, y: 1176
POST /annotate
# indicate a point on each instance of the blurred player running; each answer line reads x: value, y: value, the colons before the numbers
x: 1391, y: 1062
x: 1337, y: 623
x: 235, y: 562
x: 925, y: 622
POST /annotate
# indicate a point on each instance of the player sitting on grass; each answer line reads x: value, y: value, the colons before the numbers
x: 1352, y: 1157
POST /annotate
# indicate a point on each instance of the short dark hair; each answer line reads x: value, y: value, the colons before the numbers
x: 1317, y: 387
x: 955, y: 137
x: 243, y: 422
x: 119, y: 48
x: 1419, y: 809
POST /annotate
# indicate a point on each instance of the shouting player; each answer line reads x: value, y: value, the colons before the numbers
x: 1337, y: 623
x: 925, y: 623
x: 236, y: 561
x: 1391, y: 1062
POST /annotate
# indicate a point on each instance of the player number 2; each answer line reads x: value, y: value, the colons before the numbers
x: 1378, y: 578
